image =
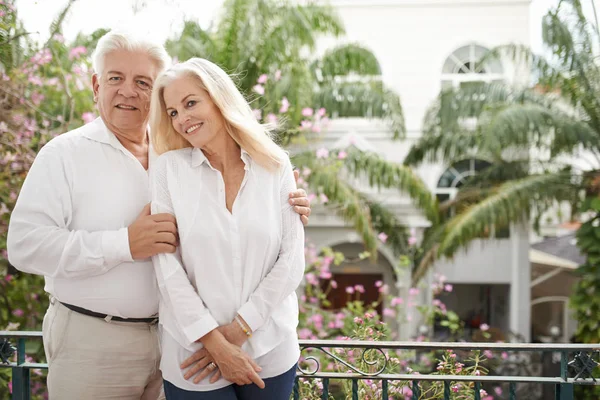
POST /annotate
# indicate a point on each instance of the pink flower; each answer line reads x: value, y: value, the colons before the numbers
x: 322, y: 153
x: 307, y: 112
x: 412, y: 241
x: 263, y: 79
x: 383, y: 237
x: 388, y: 312
x: 504, y: 355
x: 368, y: 315
x: 349, y: 290
x: 359, y: 288
x: 8, y: 278
x: 259, y: 89
x: 285, y: 105
x: 305, y: 124
x: 37, y: 98
x: 76, y: 52
x: 18, y: 312
x: 278, y: 75
x: 36, y: 80
x: 358, y: 320
x: 324, y: 199
x: 88, y: 117
x: 272, y: 118
x: 484, y: 327
x: 312, y: 279
x: 396, y: 301
x: 448, y: 288
x: 304, y: 333
x: 455, y: 388
x: 413, y: 291
x: 342, y: 154
x: 10, y: 387
x: 384, y: 289
x: 321, y: 112
x: 488, y: 354
x: 498, y: 390
x: 378, y: 283
x: 325, y: 275
x: 333, y: 284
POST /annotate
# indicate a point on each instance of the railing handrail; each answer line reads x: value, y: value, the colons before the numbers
x: 541, y: 347
x: 404, y: 345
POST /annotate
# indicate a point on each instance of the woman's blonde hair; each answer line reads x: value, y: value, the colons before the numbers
x: 240, y: 121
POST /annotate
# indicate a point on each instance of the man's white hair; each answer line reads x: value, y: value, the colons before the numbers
x: 123, y: 40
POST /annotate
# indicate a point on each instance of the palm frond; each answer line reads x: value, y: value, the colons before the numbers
x: 511, y: 202
x: 346, y: 202
x: 384, y: 174
x: 193, y: 42
x: 368, y: 99
x: 56, y: 25
x: 347, y: 59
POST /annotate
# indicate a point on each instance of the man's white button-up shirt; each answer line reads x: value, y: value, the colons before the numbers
x: 70, y: 223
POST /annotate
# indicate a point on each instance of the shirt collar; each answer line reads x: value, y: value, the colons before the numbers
x: 99, y: 132
x: 198, y: 158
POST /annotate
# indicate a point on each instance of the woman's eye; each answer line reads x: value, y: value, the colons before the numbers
x: 191, y: 103
x: 173, y: 114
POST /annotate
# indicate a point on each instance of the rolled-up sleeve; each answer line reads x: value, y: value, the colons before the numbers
x: 287, y: 272
x: 39, y: 240
x: 192, y: 317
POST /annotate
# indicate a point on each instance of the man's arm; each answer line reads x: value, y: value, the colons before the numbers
x: 39, y: 241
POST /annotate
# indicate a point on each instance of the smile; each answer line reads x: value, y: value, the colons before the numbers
x: 193, y: 128
x: 126, y: 107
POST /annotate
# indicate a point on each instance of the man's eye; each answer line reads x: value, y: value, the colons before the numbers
x: 144, y: 84
x: 114, y: 78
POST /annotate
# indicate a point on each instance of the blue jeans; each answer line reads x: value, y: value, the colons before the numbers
x: 276, y: 388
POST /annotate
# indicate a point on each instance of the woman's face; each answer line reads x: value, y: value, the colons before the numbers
x: 193, y: 114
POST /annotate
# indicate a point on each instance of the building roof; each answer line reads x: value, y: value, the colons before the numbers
x: 564, y: 247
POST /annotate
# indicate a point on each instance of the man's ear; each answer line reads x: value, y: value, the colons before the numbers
x: 95, y: 86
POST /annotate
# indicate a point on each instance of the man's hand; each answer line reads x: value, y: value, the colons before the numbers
x: 152, y: 234
x: 300, y: 201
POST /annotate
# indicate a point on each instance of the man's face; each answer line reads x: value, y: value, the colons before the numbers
x: 123, y: 90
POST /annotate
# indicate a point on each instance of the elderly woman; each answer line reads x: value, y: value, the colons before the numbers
x: 230, y: 287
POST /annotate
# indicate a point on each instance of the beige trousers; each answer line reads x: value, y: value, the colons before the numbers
x: 90, y: 358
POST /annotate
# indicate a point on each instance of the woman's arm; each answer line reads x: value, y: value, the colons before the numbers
x: 192, y: 317
x: 288, y: 271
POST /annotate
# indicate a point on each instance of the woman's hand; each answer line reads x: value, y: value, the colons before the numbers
x: 233, y: 333
x: 232, y: 362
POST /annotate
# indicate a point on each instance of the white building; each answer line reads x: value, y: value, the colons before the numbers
x: 423, y: 46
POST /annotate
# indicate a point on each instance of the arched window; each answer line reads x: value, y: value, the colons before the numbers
x: 464, y: 67
x: 454, y: 177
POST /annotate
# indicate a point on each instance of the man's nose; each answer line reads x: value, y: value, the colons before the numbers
x: 127, y: 89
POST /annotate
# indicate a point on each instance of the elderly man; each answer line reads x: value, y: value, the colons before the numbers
x: 83, y: 221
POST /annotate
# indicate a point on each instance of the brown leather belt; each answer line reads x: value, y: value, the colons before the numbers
x: 104, y: 316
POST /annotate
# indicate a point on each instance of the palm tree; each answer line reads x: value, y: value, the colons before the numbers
x: 259, y: 40
x: 543, y: 144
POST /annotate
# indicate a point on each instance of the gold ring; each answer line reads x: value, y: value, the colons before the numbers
x: 212, y: 366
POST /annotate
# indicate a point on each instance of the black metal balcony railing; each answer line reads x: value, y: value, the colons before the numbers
x: 576, y: 366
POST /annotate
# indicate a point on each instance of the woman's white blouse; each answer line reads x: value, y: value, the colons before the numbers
x: 249, y: 261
